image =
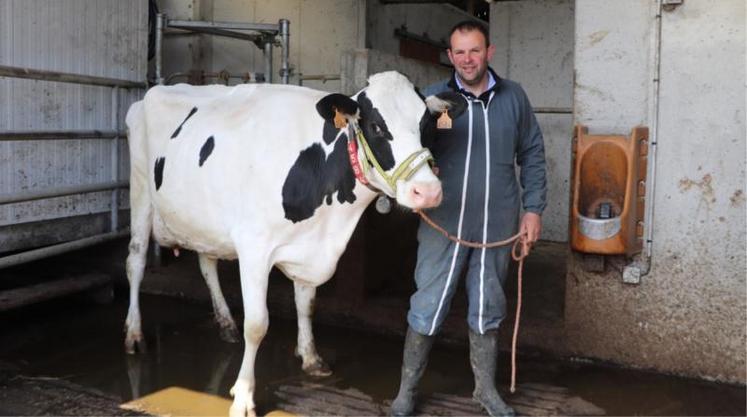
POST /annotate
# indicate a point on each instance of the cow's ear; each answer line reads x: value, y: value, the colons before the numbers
x: 448, y: 100
x: 327, y: 105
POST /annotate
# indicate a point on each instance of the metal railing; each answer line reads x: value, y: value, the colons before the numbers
x: 263, y: 35
x: 114, y: 134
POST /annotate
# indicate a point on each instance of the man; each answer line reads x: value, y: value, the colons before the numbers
x: 475, y: 157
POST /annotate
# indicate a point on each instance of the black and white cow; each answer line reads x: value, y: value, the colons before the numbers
x: 261, y: 173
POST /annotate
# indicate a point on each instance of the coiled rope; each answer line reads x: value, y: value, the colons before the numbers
x: 519, y: 243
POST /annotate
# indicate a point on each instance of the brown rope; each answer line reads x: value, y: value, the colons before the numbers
x: 518, y: 239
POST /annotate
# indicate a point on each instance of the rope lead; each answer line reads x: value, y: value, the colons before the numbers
x: 518, y: 240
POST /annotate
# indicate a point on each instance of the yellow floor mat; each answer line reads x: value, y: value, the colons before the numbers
x: 182, y: 402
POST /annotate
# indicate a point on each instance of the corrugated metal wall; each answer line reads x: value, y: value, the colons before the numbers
x: 102, y: 38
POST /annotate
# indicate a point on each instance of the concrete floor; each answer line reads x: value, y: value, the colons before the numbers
x: 80, y: 342
x: 77, y: 340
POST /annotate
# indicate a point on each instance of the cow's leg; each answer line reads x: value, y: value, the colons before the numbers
x: 254, y: 274
x: 312, y: 362
x: 209, y: 268
x: 140, y: 226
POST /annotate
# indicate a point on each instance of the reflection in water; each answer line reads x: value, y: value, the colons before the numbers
x: 84, y: 344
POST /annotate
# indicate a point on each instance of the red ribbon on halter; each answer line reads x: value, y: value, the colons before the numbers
x: 355, y: 162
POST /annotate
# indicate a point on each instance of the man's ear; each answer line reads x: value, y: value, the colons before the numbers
x: 344, y: 104
x: 448, y: 100
x: 490, y: 52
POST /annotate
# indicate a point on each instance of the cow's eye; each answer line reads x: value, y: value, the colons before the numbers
x: 376, y: 128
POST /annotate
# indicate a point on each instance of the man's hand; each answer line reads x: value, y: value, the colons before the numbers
x: 531, y: 224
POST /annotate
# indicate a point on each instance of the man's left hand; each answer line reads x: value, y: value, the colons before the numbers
x: 531, y: 224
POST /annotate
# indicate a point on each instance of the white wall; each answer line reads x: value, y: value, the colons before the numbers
x: 534, y: 46
x: 689, y: 315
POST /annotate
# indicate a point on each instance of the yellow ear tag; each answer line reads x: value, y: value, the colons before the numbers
x: 444, y: 121
x: 340, y: 121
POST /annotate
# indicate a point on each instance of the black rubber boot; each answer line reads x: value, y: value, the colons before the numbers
x: 414, y: 361
x: 483, y: 354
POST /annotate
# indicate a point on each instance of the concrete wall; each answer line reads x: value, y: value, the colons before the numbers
x: 534, y: 46
x: 358, y: 64
x: 689, y: 315
x: 320, y: 30
x: 432, y: 21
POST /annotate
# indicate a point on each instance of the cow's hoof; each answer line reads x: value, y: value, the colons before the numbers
x: 229, y: 333
x: 241, y: 411
x: 318, y: 368
x: 135, y: 344
x: 243, y: 404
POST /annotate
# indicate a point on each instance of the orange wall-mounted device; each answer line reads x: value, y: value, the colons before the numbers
x: 608, y: 188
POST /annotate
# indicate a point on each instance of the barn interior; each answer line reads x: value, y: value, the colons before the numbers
x: 637, y: 331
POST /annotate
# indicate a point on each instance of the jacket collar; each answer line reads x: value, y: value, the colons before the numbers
x: 485, y: 95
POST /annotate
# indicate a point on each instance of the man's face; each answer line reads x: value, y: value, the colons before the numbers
x: 470, y: 55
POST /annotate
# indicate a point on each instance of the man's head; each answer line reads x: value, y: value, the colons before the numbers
x: 469, y: 51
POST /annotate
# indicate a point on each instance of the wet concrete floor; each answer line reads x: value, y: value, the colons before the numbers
x: 81, y: 342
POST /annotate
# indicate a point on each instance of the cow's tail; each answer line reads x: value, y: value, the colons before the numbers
x: 140, y: 221
x: 140, y: 198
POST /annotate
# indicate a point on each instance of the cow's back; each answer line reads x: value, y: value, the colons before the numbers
x: 216, y: 157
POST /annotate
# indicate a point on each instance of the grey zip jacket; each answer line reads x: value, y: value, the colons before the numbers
x: 479, y: 176
x: 481, y: 203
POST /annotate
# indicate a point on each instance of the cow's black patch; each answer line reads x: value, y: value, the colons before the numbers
x: 158, y: 171
x: 376, y: 132
x: 427, y: 129
x: 330, y: 132
x: 327, y: 105
x: 206, y: 149
x: 457, y: 103
x: 179, y: 129
x: 457, y: 106
x: 315, y: 177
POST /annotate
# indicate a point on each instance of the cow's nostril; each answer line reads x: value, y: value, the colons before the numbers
x: 415, y: 191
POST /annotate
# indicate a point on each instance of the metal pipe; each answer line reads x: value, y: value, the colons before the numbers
x: 115, y: 160
x: 61, y: 134
x: 160, y: 17
x: 317, y: 77
x: 48, y: 251
x: 245, y: 77
x: 61, y: 192
x: 553, y: 110
x: 32, y: 294
x: 62, y: 77
x: 268, y: 61
x: 641, y: 266
x: 285, y: 43
x: 252, y: 37
x: 194, y: 24
x: 648, y: 222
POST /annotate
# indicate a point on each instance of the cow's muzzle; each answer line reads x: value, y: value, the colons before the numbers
x: 423, y: 195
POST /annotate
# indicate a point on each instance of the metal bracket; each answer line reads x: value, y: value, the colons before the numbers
x: 670, y: 5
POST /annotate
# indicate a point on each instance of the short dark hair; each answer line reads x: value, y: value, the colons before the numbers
x: 468, y: 26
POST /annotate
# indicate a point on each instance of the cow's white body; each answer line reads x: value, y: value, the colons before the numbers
x: 231, y: 206
x: 212, y: 208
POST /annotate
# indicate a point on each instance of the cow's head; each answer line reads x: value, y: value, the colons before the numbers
x: 390, y: 115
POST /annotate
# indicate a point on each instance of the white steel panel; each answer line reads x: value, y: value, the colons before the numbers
x: 104, y: 38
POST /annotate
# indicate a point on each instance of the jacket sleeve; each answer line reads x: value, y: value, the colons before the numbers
x: 530, y: 156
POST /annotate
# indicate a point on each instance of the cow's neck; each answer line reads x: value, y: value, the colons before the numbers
x: 347, y: 216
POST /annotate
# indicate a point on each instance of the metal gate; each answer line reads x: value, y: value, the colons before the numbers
x: 69, y: 70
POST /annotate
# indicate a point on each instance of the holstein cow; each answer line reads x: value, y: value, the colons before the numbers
x: 267, y: 174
